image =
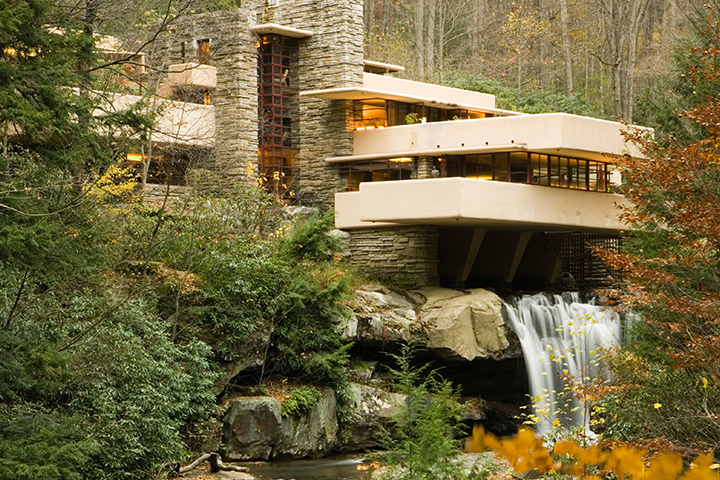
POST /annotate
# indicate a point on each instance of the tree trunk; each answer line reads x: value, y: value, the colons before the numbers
x: 431, y: 38
x: 622, y: 20
x: 566, y: 48
x: 420, y: 37
x: 369, y: 15
x: 441, y: 42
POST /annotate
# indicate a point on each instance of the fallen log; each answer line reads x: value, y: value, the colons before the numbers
x: 213, y: 459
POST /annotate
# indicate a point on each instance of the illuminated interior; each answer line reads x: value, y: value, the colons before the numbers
x: 516, y: 167
x: 379, y: 113
x: 528, y: 167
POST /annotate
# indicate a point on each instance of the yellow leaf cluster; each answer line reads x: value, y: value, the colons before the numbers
x: 526, y: 452
x: 117, y: 184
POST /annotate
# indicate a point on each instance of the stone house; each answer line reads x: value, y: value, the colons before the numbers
x: 435, y: 185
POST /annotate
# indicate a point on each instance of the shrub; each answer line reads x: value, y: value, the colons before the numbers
x: 300, y: 401
x: 421, y: 444
x: 309, y: 239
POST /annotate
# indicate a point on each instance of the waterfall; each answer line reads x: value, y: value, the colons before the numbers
x: 560, y: 336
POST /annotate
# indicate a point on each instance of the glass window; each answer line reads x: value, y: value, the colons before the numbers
x: 592, y: 176
x: 583, y: 174
x: 539, y: 169
x: 519, y: 167
x: 500, y: 170
x: 479, y: 166
x: 392, y: 114
x: 572, y: 173
x: 453, y: 166
x: 554, y: 170
x: 603, y: 177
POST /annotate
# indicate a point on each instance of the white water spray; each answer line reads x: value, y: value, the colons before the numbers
x: 561, y: 337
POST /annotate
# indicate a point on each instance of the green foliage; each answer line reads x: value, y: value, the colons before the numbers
x: 114, y: 316
x: 412, y: 118
x: 309, y: 239
x: 111, y: 317
x: 41, y: 445
x: 537, y: 101
x: 422, y: 444
x: 300, y: 401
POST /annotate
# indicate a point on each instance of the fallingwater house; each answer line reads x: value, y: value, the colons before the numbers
x: 434, y: 184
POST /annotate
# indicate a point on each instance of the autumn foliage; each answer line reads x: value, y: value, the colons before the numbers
x: 526, y: 452
x: 671, y: 276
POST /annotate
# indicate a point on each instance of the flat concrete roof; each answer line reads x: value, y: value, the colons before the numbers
x: 274, y: 28
x: 407, y: 91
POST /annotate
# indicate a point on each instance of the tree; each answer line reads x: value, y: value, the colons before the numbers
x: 622, y: 20
x: 522, y: 31
x: 669, y: 377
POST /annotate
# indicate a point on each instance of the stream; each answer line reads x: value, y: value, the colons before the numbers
x: 332, y: 468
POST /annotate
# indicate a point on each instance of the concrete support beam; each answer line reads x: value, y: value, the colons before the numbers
x: 473, y: 249
x: 556, y: 271
x: 520, y: 246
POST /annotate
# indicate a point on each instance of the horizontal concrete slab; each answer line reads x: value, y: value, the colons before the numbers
x: 552, y: 133
x: 400, y: 90
x: 479, y: 203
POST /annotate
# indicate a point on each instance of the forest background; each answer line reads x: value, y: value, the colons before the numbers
x: 616, y: 59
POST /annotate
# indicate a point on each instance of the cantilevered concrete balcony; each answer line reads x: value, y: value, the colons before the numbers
x: 399, y: 90
x: 180, y: 124
x: 552, y: 134
x: 192, y: 75
x: 478, y: 203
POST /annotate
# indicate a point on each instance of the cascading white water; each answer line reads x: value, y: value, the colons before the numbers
x: 561, y: 337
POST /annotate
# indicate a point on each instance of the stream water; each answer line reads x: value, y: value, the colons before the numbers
x: 333, y: 468
x: 561, y: 337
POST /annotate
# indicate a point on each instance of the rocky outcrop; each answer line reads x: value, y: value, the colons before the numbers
x: 314, y: 435
x: 464, y: 326
x: 381, y: 315
x: 252, y: 428
x: 452, y: 324
x: 370, y: 411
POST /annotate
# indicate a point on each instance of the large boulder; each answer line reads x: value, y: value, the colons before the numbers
x: 313, y: 435
x: 464, y: 326
x: 380, y: 315
x: 255, y: 429
x: 252, y: 428
x: 370, y: 411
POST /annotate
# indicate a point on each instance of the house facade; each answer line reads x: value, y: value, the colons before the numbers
x: 434, y: 185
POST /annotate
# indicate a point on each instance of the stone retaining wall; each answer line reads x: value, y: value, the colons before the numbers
x: 405, y: 255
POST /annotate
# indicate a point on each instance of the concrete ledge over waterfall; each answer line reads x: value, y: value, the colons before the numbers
x: 481, y: 203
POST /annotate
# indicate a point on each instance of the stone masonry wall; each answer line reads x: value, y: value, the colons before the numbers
x: 406, y: 254
x: 331, y: 58
x: 424, y: 167
x: 233, y: 51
